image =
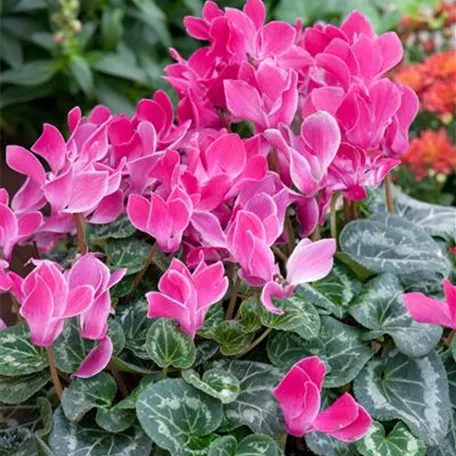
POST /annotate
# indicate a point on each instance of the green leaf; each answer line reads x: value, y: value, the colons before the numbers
x: 216, y: 383
x: 110, y: 95
x: 15, y: 390
x: 214, y: 316
x: 299, y: 316
x: 325, y: 445
x: 82, y: 73
x: 127, y: 253
x: 231, y: 336
x: 380, y: 308
x: 111, y: 27
x: 168, y: 346
x: 256, y: 406
x: 115, y: 419
x: 447, y: 445
x: 205, y: 350
x: 70, y: 349
x: 258, y: 445
x: 335, y: 292
x: 16, y: 94
x: 250, y: 312
x: 388, y: 243
x: 224, y: 446
x: 11, y: 49
x: 285, y: 349
x: 341, y: 347
x: 116, y: 65
x: 136, y: 324
x: 86, y: 439
x: 414, y: 390
x: 46, y: 416
x: 17, y: 353
x: 400, y: 441
x: 119, y: 229
x: 173, y: 412
x: 31, y: 74
x: 84, y: 394
x: 129, y: 403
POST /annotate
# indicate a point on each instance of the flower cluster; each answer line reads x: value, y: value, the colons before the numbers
x: 432, y: 151
x: 433, y: 81
x: 323, y: 119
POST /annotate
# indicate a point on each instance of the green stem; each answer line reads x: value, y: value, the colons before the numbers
x: 389, y: 194
x: 333, y: 216
x: 255, y: 343
x: 233, y: 299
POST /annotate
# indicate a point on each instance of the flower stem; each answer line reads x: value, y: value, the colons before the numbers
x: 119, y: 380
x: 291, y: 234
x: 140, y: 274
x: 233, y: 299
x: 389, y: 194
x: 347, y: 211
x: 54, y: 374
x: 255, y: 343
x: 283, y: 441
x: 80, y: 233
x: 280, y: 254
x: 333, y: 216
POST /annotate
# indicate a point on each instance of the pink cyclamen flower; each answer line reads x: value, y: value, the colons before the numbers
x: 13, y: 228
x: 5, y: 281
x: 47, y: 301
x: 310, y: 261
x: 89, y: 270
x: 165, y: 220
x: 427, y: 310
x: 299, y: 396
x: 186, y: 297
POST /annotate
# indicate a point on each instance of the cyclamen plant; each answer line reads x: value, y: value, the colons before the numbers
x: 176, y: 301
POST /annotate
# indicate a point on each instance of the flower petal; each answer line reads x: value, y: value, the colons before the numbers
x: 97, y: 359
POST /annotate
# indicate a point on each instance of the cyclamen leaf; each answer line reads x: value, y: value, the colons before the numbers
x: 216, y: 383
x: 333, y: 293
x: 258, y: 445
x: 380, y: 308
x: 169, y: 346
x: 299, y: 316
x: 84, y: 394
x: 387, y: 243
x: 173, y: 412
x: 224, y: 446
x: 256, y: 406
x: 231, y: 336
x: 250, y: 312
x: 127, y: 253
x: 205, y: 350
x: 115, y: 419
x: 15, y: 390
x: 87, y: 439
x: 215, y: 315
x: 400, y: 441
x: 17, y: 353
x: 414, y: 390
x: 325, y: 445
x: 119, y: 229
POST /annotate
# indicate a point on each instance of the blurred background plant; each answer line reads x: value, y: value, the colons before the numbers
x: 56, y: 54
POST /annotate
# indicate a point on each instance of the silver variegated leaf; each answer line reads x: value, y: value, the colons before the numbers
x: 205, y: 350
x: 17, y: 353
x: 70, y: 349
x: 15, y: 390
x: 256, y: 406
x: 119, y: 229
x: 129, y: 402
x: 87, y: 439
x: 127, y: 253
x: 399, y: 442
x: 252, y: 445
x: 168, y: 346
x: 414, y: 390
x: 300, y: 316
x: 84, y: 394
x: 447, y: 445
x: 217, y: 383
x: 115, y: 419
x: 325, y: 445
x: 389, y: 243
x: 333, y: 293
x: 232, y: 337
x: 380, y: 308
x: 250, y: 314
x: 173, y: 414
x: 224, y: 446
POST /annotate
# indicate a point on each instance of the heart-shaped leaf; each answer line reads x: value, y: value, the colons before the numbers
x: 256, y: 406
x: 389, y: 243
x: 232, y: 337
x: 400, y: 441
x: 380, y: 308
x: 135, y: 324
x: 172, y: 413
x: 299, y: 316
x: 115, y: 419
x: 84, y: 394
x: 70, y: 349
x: 215, y: 315
x: 168, y: 346
x: 250, y: 313
x: 216, y: 383
x: 87, y: 439
x: 334, y: 292
x: 119, y: 229
x: 128, y: 253
x: 205, y: 350
x: 325, y: 445
x: 15, y: 390
x: 414, y: 390
x: 252, y: 445
x: 17, y: 353
x: 224, y: 446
